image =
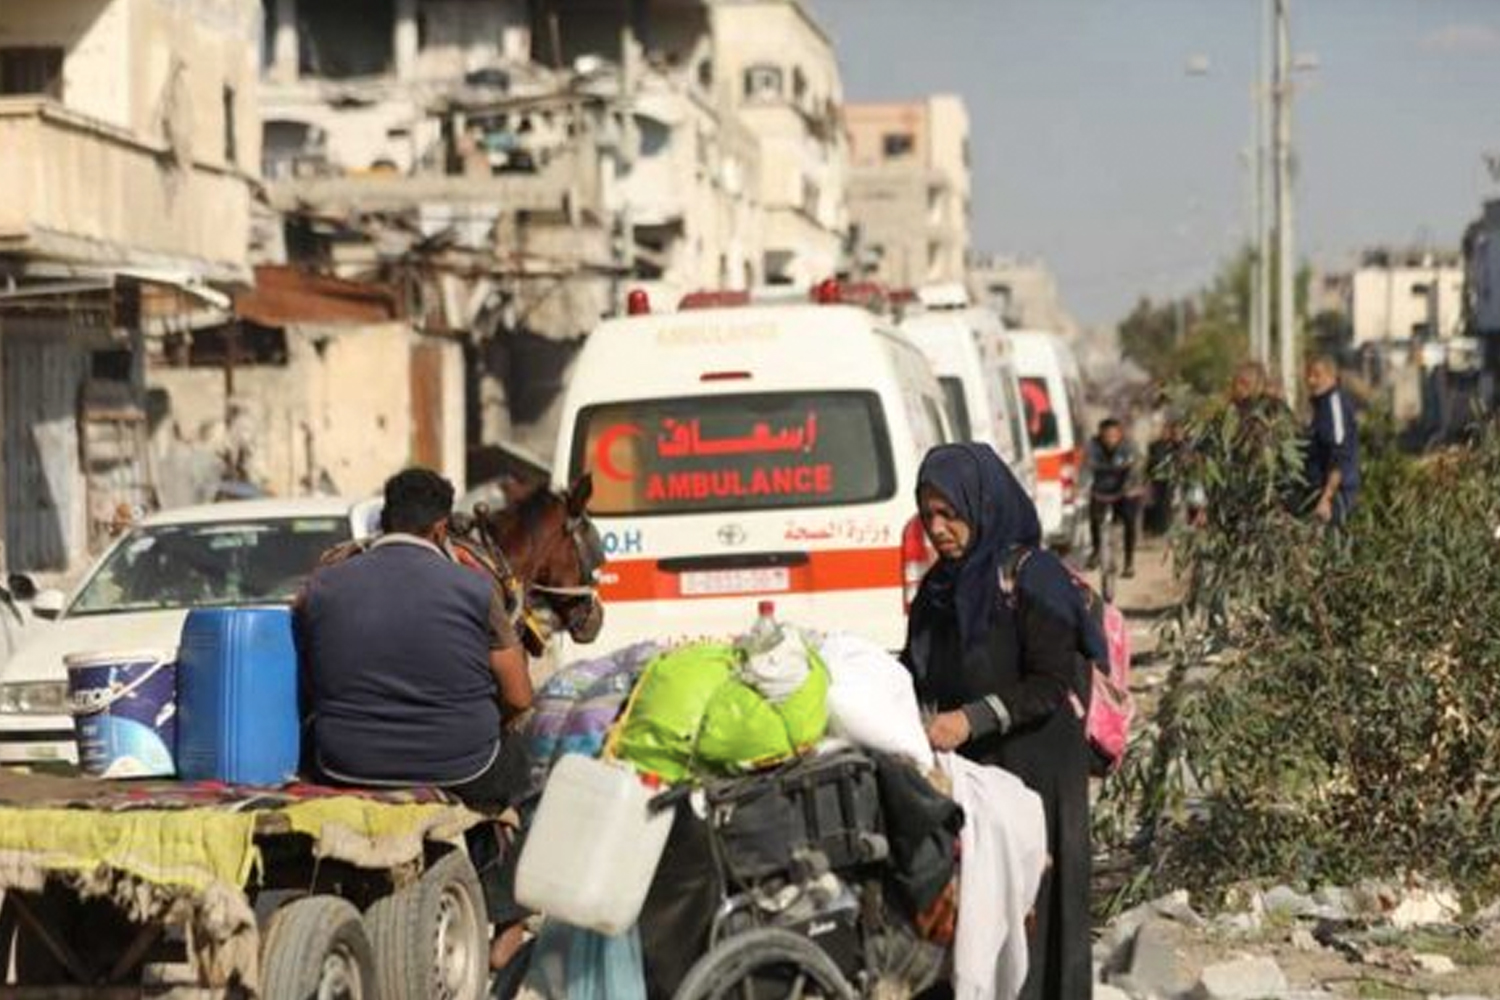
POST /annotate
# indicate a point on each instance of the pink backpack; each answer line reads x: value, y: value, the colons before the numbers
x: 1111, y: 707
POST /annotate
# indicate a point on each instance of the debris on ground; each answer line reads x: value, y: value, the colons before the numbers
x: 1286, y: 943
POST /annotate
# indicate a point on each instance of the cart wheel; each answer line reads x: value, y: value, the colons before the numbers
x: 431, y: 939
x: 316, y: 949
x: 762, y: 964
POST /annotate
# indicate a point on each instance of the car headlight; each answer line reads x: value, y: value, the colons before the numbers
x: 34, y: 698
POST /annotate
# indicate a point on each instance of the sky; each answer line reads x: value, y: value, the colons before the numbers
x: 1096, y: 150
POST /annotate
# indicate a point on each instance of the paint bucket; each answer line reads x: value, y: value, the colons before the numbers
x: 124, y: 708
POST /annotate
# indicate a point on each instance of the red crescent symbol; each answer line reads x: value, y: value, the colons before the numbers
x: 606, y: 443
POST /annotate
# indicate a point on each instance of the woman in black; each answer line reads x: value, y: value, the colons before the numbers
x: 993, y: 645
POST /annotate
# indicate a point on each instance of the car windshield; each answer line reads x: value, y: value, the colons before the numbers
x: 707, y: 454
x: 171, y: 567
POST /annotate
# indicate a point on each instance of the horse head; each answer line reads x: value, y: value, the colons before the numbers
x: 545, y: 554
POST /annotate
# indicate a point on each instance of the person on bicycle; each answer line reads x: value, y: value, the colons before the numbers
x: 1112, y: 463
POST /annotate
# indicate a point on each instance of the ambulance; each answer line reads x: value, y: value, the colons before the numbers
x: 972, y: 360
x: 743, y: 453
x: 1052, y: 395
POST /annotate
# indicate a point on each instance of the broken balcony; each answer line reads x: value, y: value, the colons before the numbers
x: 80, y: 191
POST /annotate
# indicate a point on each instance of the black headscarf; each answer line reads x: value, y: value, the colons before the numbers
x: 987, y: 497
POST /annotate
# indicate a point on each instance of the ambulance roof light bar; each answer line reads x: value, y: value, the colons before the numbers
x: 714, y: 299
x: 828, y: 292
x: 869, y: 294
x: 638, y: 303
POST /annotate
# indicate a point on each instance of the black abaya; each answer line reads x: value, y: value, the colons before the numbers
x: 1029, y: 659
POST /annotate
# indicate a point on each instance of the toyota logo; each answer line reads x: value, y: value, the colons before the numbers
x: 732, y: 534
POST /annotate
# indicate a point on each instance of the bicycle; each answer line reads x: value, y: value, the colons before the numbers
x: 1115, y: 516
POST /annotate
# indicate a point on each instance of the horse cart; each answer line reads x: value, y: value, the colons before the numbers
x: 211, y: 891
x: 207, y: 888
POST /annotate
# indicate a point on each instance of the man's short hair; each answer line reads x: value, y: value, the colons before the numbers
x: 1110, y: 423
x: 1253, y: 372
x: 415, y: 500
x: 1322, y: 363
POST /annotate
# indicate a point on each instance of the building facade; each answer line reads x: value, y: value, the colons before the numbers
x: 524, y: 164
x: 129, y: 145
x: 598, y: 114
x: 1023, y: 291
x: 1398, y: 297
x: 910, y: 187
x: 776, y: 69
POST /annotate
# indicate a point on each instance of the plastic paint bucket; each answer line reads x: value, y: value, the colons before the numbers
x: 124, y: 708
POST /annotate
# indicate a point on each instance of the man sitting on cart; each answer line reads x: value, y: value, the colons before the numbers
x: 410, y: 666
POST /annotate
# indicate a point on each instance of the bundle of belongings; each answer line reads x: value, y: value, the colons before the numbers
x: 816, y: 806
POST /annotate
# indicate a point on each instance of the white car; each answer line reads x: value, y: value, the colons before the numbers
x: 15, y: 616
x: 139, y: 593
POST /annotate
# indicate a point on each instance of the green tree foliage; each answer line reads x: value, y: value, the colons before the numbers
x: 1198, y: 340
x: 1334, y: 705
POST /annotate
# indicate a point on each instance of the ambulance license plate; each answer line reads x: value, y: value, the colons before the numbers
x: 724, y: 582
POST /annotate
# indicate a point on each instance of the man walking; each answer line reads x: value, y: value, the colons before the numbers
x: 1332, y: 445
x: 1112, y: 467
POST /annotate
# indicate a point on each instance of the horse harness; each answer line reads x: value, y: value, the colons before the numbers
x: 577, y: 602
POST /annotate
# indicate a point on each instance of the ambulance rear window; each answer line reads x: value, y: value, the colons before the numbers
x: 1041, y: 412
x: 712, y: 454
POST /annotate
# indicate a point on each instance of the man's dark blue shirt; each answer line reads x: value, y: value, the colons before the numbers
x: 395, y: 654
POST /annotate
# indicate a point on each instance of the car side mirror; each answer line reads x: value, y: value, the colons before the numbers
x: 21, y: 586
x: 48, y: 603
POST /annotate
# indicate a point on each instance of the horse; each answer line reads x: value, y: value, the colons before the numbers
x: 544, y: 555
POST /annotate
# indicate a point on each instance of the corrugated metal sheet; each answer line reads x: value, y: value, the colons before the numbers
x: 43, y: 368
x: 284, y: 296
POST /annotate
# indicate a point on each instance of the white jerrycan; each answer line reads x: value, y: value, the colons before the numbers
x: 593, y: 847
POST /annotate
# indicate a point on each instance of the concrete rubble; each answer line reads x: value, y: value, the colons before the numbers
x: 1285, y: 943
x: 1242, y: 979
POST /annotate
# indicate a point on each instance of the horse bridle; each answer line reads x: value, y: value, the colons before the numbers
x: 580, y: 600
x: 589, y: 550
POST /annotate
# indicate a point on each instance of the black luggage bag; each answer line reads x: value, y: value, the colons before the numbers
x: 817, y: 813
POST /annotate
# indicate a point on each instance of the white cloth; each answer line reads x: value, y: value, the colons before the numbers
x: 1004, y: 842
x: 871, y: 700
x: 781, y: 671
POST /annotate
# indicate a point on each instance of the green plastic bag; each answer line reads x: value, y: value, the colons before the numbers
x: 742, y: 730
x: 661, y: 723
x: 692, y: 712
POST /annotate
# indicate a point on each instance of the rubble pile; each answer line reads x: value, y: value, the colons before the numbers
x: 1281, y: 943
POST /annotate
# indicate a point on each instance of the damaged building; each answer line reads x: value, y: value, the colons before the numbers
x: 309, y: 385
x: 129, y: 141
x: 514, y: 167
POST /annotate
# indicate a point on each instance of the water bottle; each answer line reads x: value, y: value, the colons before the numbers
x: 765, y: 634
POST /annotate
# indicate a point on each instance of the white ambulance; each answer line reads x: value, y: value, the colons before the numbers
x: 750, y: 453
x: 974, y: 367
x: 1052, y: 394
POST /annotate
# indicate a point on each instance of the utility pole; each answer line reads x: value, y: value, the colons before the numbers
x: 1260, y: 307
x: 1285, y: 246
